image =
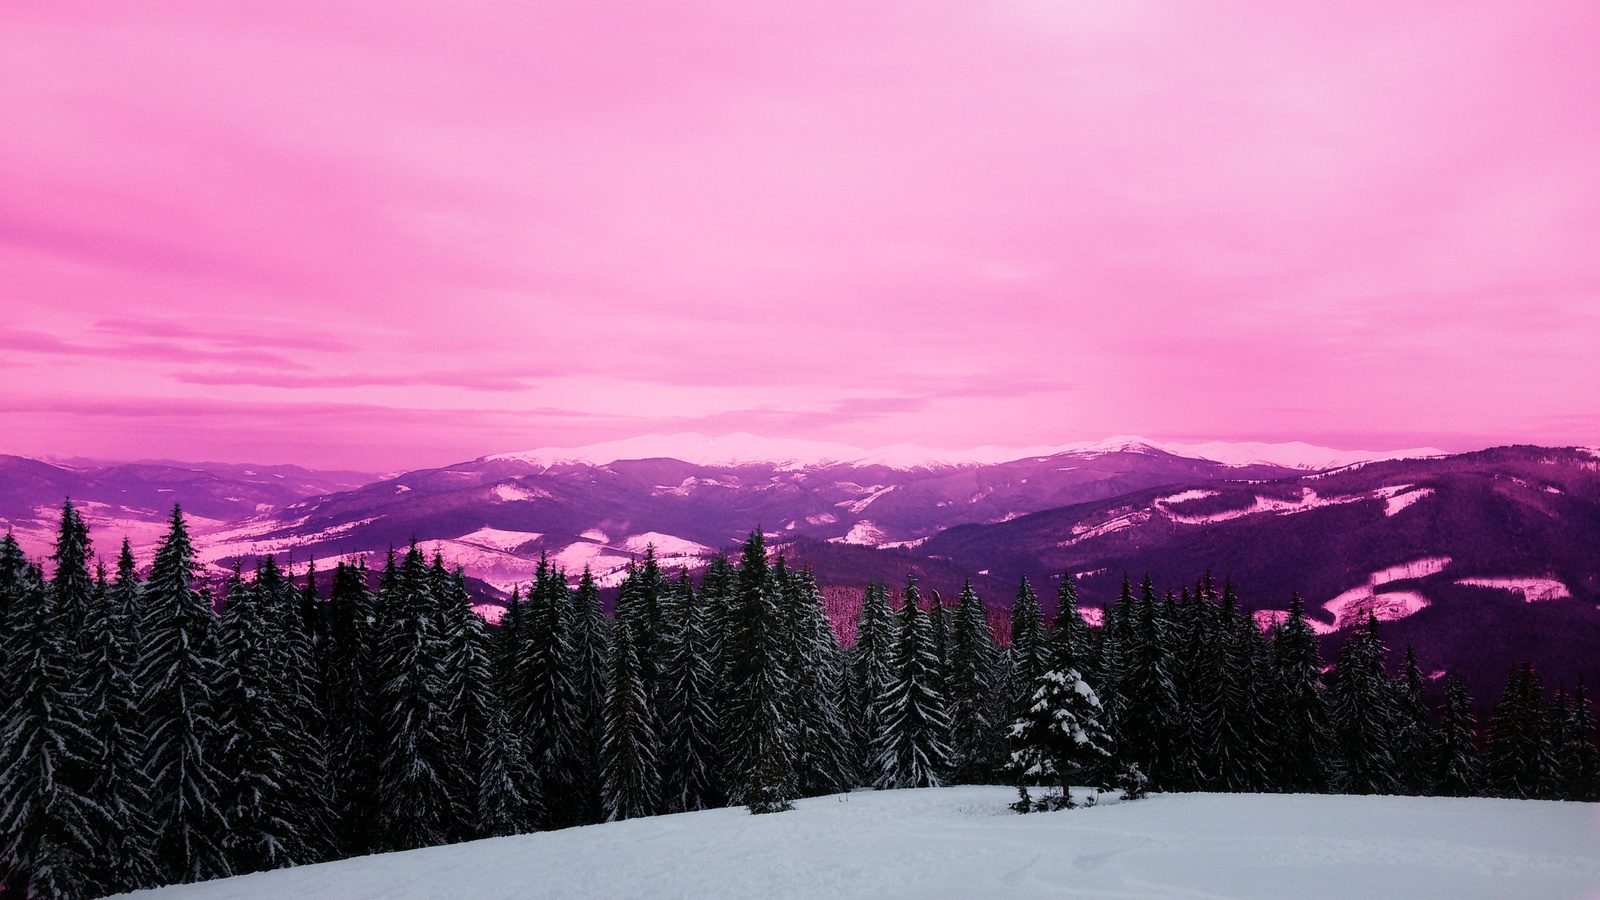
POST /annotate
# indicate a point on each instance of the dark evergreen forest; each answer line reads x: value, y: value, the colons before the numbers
x: 146, y: 740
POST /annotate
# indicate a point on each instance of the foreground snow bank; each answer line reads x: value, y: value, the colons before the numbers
x: 964, y: 842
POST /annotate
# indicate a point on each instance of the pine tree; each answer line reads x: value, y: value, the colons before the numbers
x: 352, y: 683
x: 913, y: 748
x: 871, y: 662
x: 1519, y: 752
x: 50, y: 825
x: 1415, y: 742
x: 1060, y: 738
x: 591, y: 649
x: 694, y: 778
x: 258, y: 728
x: 503, y: 806
x: 414, y: 781
x: 1305, y: 737
x: 628, y: 755
x: 1152, y: 720
x: 1458, y: 768
x: 542, y: 698
x: 180, y: 672
x: 1364, y: 715
x: 972, y: 680
x: 823, y: 748
x: 1582, y: 758
x: 117, y: 720
x: 468, y: 691
x: 1027, y: 653
x: 759, y: 737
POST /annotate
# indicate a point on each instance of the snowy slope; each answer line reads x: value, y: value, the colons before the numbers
x: 963, y: 842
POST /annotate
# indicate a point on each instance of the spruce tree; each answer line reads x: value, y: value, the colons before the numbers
x: 51, y: 828
x: 258, y: 727
x: 414, y: 741
x: 180, y: 672
x: 117, y: 721
x: 1059, y: 739
x: 1305, y: 737
x: 1458, y: 767
x: 913, y: 747
x: 629, y: 762
x: 823, y: 747
x: 591, y: 649
x: 504, y: 807
x: 694, y: 778
x: 975, y: 743
x: 351, y: 688
x: 542, y: 697
x: 1581, y: 760
x: 1364, y: 715
x: 871, y: 665
x: 1415, y: 742
x: 759, y: 739
x: 1028, y: 656
x: 1152, y: 719
x: 1519, y: 754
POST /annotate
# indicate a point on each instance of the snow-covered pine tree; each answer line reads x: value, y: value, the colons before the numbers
x: 975, y: 743
x: 694, y: 780
x: 257, y: 726
x: 117, y: 719
x: 51, y: 827
x: 1581, y: 764
x: 1415, y: 742
x: 871, y: 662
x: 1028, y: 651
x: 468, y: 687
x: 758, y: 734
x: 296, y: 621
x: 352, y: 685
x: 1060, y: 739
x: 629, y: 763
x: 1458, y: 767
x: 822, y: 740
x: 1305, y: 737
x: 1262, y: 702
x: 1519, y: 755
x: 1151, y: 720
x: 590, y: 632
x: 413, y: 740
x: 543, y: 704
x: 1361, y: 704
x: 641, y: 602
x: 503, y: 771
x: 180, y: 670
x: 913, y: 748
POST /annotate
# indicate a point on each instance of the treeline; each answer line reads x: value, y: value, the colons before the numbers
x: 144, y: 740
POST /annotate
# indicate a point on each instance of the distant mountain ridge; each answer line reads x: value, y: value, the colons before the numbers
x: 1470, y: 556
x: 744, y: 448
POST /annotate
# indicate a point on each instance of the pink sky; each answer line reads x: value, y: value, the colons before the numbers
x: 394, y: 234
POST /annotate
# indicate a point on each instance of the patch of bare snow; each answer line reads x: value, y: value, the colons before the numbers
x: 511, y: 492
x: 595, y: 534
x: 1184, y: 497
x: 1417, y: 568
x: 863, y: 532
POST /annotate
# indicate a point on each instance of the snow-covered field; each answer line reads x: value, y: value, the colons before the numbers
x: 963, y: 842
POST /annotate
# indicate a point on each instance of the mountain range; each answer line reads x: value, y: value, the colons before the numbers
x: 1476, y: 558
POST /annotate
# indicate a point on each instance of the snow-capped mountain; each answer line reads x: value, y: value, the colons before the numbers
x: 744, y: 448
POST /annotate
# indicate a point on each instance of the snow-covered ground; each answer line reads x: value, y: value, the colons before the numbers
x: 963, y: 842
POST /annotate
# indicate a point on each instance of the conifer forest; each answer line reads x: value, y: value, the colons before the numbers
x: 147, y: 738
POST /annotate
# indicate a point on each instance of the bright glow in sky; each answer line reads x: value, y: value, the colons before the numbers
x: 392, y: 234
